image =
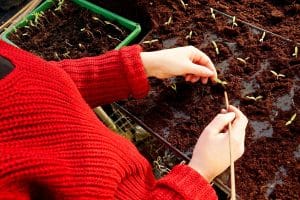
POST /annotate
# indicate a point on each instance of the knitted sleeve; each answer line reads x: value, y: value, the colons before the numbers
x: 113, y: 76
x: 183, y: 183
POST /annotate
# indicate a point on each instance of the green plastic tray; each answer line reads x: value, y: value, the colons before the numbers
x: 135, y: 28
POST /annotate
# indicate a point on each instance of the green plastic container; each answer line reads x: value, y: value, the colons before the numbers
x: 135, y: 28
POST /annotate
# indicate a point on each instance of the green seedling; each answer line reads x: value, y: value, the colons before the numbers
x: 96, y: 18
x: 150, y: 42
x: 277, y: 74
x: 158, y: 164
x: 243, y: 60
x: 115, y: 26
x: 81, y: 46
x: 212, y: 13
x: 32, y: 24
x: 59, y: 5
x: 216, y: 47
x: 262, y: 37
x: 291, y: 120
x: 114, y: 38
x: 223, y: 83
x: 254, y: 98
x: 88, y: 32
x: 169, y: 21
x: 56, y: 56
x: 54, y: 14
x: 37, y: 16
x: 66, y: 55
x: 67, y: 42
x: 295, y: 54
x: 173, y: 86
x: 189, y: 36
x: 184, y: 5
x: 14, y: 29
x: 234, y: 22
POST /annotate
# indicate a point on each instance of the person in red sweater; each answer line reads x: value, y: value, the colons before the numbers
x: 53, y: 146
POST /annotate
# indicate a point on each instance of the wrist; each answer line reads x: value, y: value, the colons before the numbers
x: 202, y: 171
x: 149, y: 60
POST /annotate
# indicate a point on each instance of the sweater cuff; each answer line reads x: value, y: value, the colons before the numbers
x: 134, y: 70
x: 188, y: 183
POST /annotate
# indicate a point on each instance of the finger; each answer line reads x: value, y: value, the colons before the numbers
x: 199, y: 70
x: 220, y: 122
x: 240, y: 123
x: 188, y: 77
x: 204, y: 80
x: 223, y: 111
x: 195, y: 79
x: 202, y: 59
x: 240, y: 119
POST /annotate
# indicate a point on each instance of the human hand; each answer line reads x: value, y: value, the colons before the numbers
x: 211, y: 155
x: 182, y: 61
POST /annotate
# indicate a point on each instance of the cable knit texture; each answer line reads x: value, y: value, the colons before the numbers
x: 52, y: 145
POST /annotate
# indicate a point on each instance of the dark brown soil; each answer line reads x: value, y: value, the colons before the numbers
x: 134, y: 10
x: 269, y: 168
x: 278, y: 16
x: 73, y: 32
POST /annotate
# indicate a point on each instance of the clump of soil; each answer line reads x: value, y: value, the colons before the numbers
x: 72, y: 32
x: 269, y: 168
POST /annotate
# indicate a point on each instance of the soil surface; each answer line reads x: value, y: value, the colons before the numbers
x: 179, y: 111
x: 134, y: 10
x: 72, y: 32
x: 277, y: 16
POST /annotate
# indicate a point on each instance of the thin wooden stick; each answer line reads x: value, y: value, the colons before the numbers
x: 232, y: 174
x: 24, y: 11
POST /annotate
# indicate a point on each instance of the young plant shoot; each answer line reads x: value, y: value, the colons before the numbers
x: 150, y: 42
x: 56, y: 56
x: 98, y: 20
x: 212, y: 13
x: 291, y: 119
x: 189, y: 36
x: 169, y: 21
x: 115, y: 26
x: 244, y: 61
x: 277, y: 74
x: 37, y: 16
x: 81, y: 46
x: 295, y: 54
x: 216, y: 47
x: 262, y: 37
x: 173, y: 86
x: 234, y: 22
x: 184, y: 5
x: 114, y: 38
x: 67, y: 54
x: 59, y: 5
x: 254, y: 98
x: 223, y: 83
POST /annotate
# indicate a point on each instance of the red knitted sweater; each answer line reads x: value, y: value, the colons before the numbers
x: 52, y: 145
